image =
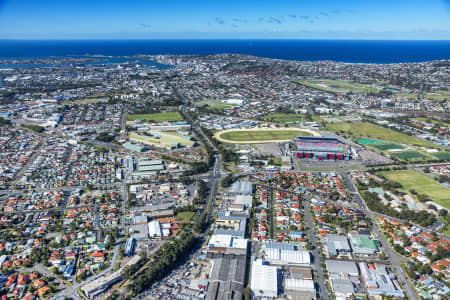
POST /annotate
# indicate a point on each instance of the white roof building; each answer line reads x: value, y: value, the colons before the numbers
x: 288, y: 257
x: 302, y: 285
x: 342, y: 288
x: 154, y: 229
x: 227, y: 241
x: 264, y: 281
x: 338, y: 268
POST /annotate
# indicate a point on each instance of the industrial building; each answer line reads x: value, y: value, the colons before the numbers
x: 227, y: 244
x: 147, y: 168
x: 299, y: 289
x: 380, y: 281
x: 279, y: 256
x: 341, y: 269
x: 264, y: 280
x: 133, y: 147
x: 154, y: 229
x: 226, y: 278
x: 236, y: 224
x: 321, y: 148
x: 171, y: 126
x: 241, y: 188
x: 342, y: 288
x: 337, y: 244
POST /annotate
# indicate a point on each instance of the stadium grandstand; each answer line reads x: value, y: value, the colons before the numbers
x: 321, y: 148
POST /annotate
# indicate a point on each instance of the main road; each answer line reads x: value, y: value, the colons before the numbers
x: 216, y: 170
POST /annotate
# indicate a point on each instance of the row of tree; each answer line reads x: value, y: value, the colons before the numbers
x: 163, y: 261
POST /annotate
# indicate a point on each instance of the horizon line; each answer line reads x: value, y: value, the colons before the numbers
x: 222, y: 39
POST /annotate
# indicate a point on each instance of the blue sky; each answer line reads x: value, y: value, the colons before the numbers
x: 145, y: 19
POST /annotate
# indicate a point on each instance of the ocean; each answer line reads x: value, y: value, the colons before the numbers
x: 352, y: 51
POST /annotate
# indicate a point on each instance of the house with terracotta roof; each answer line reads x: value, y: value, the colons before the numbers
x: 43, y: 290
x: 98, y: 256
x: 29, y: 297
x: 38, y: 283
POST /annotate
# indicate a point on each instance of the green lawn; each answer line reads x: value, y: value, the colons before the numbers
x: 284, y: 118
x: 411, y: 179
x: 406, y: 96
x: 261, y: 135
x: 186, y: 216
x: 386, y: 146
x: 409, y: 155
x: 442, y: 155
x: 275, y: 161
x: 337, y: 86
x: 368, y: 141
x: 157, y: 117
x: 438, y: 95
x: 428, y: 120
x: 221, y: 106
x: 373, y: 131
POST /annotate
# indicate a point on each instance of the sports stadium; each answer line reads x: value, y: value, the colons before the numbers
x: 321, y: 148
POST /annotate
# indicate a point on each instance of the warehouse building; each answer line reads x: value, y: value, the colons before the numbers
x: 227, y: 244
x: 337, y: 244
x: 241, y: 188
x: 264, y: 280
x: 299, y: 289
x: 342, y: 288
x: 320, y: 148
x: 379, y: 281
x: 154, y: 229
x: 341, y: 269
x: 236, y: 224
x: 171, y: 126
x: 278, y: 256
x: 133, y: 147
x: 139, y: 232
x: 226, y: 278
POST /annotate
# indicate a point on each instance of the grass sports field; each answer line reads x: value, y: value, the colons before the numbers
x: 214, y: 105
x: 368, y: 141
x: 386, y: 146
x: 259, y: 135
x: 221, y: 106
x: 409, y: 155
x: 158, y: 117
x: 372, y: 131
x: 411, y: 179
x: 442, y: 155
x: 284, y: 118
x: 337, y: 86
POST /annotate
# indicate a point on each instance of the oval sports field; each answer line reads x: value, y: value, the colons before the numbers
x: 261, y: 135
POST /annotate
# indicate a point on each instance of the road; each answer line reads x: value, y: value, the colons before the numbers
x: 29, y: 162
x: 216, y: 170
x: 315, y: 251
